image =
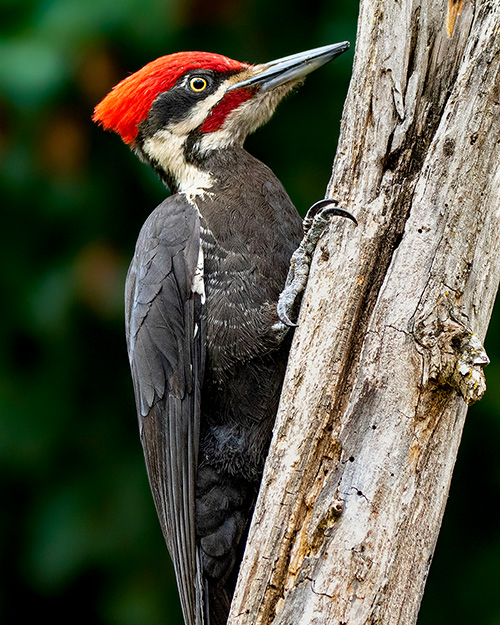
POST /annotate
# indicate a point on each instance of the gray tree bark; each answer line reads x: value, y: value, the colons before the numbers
x: 388, y: 352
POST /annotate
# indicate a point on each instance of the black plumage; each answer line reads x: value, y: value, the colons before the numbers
x: 210, y: 368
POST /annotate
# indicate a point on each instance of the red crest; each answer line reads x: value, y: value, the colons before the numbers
x: 123, y: 109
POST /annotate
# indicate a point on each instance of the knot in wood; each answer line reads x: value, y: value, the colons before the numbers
x: 453, y: 354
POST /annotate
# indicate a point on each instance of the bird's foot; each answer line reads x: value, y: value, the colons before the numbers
x: 315, y: 222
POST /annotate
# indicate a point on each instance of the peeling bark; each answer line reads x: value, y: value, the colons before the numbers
x: 388, y: 352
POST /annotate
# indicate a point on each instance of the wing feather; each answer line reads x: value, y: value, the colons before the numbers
x: 165, y: 338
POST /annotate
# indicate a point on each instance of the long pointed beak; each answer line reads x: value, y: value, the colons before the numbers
x: 294, y: 67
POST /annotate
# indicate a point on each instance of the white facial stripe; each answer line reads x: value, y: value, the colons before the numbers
x: 199, y: 112
x: 166, y: 147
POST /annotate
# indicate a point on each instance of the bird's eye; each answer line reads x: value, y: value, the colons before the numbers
x: 198, y: 84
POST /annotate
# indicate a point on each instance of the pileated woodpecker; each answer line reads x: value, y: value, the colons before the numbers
x: 206, y: 347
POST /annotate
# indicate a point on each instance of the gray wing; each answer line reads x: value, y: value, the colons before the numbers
x: 165, y: 338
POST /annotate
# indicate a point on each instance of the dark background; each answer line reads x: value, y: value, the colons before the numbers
x: 79, y: 540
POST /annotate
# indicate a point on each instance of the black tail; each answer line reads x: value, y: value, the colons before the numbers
x: 223, y: 510
x: 217, y: 602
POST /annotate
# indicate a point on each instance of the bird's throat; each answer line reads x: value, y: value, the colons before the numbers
x: 166, y: 151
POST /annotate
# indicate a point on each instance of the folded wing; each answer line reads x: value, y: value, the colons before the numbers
x: 165, y: 338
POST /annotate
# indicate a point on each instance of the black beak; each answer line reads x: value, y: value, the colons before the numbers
x: 289, y: 68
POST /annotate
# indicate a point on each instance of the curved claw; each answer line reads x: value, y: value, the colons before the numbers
x: 340, y: 212
x: 282, y: 311
x: 319, y: 211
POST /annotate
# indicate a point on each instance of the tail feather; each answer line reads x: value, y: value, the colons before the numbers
x: 222, y: 516
x: 217, y: 604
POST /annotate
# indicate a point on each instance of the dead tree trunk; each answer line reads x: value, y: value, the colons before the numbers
x: 388, y: 351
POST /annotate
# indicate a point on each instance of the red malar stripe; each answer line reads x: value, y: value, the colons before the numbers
x: 221, y: 110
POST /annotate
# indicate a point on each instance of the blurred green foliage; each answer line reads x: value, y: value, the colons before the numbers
x: 79, y: 540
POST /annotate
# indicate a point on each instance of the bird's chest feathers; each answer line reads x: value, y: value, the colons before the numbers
x: 229, y: 280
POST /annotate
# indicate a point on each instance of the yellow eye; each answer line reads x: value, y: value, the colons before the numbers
x: 198, y: 84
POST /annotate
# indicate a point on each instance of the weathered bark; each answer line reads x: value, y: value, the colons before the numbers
x: 389, y: 341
